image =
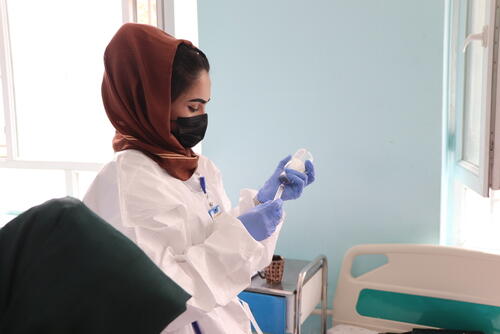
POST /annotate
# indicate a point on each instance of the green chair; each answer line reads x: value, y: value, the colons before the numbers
x: 65, y: 270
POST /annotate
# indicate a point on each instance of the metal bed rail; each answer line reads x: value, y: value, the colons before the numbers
x: 319, y: 263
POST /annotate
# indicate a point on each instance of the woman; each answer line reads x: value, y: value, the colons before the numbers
x: 169, y: 200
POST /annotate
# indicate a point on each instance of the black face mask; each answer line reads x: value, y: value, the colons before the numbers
x: 191, y: 130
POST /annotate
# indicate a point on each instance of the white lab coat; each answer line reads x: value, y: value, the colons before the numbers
x: 213, y: 260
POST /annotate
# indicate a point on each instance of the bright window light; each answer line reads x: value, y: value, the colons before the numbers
x: 85, y: 179
x: 3, y: 142
x: 146, y: 12
x: 478, y: 220
x: 186, y: 20
x: 28, y: 187
x: 57, y: 52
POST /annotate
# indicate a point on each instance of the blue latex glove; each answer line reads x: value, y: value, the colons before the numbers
x: 261, y: 221
x: 293, y: 188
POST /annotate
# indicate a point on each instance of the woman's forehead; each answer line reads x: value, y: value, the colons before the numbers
x: 200, y: 89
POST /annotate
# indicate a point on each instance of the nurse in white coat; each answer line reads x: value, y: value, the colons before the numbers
x: 169, y: 200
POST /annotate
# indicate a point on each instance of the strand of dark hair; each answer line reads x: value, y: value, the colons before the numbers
x: 189, y: 61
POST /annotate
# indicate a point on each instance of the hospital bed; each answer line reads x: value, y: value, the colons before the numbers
x: 418, y: 286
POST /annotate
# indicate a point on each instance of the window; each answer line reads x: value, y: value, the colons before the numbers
x: 478, y: 220
x: 471, y: 199
x: 470, y: 89
x: 3, y: 140
x: 57, y: 70
x: 22, y: 180
x: 146, y: 12
x: 54, y: 132
x: 55, y: 135
x: 24, y: 188
x: 474, y: 54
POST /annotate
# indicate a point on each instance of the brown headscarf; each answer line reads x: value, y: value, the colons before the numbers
x: 136, y: 94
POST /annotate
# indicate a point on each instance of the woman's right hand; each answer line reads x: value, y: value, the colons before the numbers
x: 261, y: 221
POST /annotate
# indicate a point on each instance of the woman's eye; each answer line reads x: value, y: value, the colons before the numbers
x: 193, y: 109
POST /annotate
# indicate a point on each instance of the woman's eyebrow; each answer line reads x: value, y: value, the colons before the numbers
x: 199, y: 100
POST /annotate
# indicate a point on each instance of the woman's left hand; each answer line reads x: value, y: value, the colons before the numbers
x: 293, y: 188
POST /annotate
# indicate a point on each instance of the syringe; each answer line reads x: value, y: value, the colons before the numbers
x: 297, y: 162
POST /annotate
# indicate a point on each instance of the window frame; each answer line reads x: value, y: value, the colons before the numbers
x: 495, y: 121
x: 7, y: 86
x: 475, y: 177
x: 455, y: 172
